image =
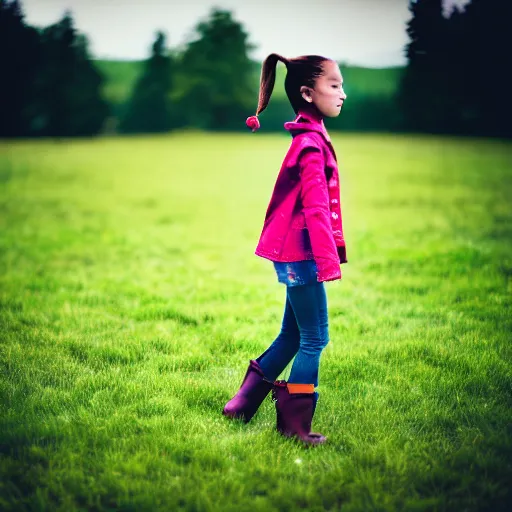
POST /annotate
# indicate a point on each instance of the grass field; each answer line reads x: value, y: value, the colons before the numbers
x: 131, y: 303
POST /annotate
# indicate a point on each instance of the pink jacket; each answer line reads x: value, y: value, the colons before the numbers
x: 303, y: 219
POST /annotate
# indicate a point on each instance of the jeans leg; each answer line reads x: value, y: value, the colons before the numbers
x: 309, y: 303
x: 275, y: 359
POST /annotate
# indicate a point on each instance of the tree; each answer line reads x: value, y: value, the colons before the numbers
x: 68, y: 100
x: 214, y: 84
x: 149, y: 108
x: 457, y: 79
x: 420, y: 90
x: 484, y: 76
x: 19, y: 58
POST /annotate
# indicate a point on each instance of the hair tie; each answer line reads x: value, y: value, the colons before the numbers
x: 253, y: 123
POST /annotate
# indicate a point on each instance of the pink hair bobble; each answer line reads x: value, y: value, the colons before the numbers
x: 253, y: 123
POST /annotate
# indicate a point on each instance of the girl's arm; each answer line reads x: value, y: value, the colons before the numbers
x: 315, y: 202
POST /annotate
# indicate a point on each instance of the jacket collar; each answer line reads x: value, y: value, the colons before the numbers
x: 307, y: 121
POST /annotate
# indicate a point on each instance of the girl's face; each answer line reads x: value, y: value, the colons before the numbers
x: 328, y: 94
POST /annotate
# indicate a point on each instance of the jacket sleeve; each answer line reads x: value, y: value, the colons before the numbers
x: 315, y: 202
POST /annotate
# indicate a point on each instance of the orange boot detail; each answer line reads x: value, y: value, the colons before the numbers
x: 300, y: 388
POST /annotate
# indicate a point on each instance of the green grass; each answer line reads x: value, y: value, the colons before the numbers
x: 131, y: 303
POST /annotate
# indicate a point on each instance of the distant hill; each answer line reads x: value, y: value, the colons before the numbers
x: 121, y: 77
x: 358, y: 80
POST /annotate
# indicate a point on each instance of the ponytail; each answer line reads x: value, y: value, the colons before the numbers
x: 303, y: 70
x: 267, y: 81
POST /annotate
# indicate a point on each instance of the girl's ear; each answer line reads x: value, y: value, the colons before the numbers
x: 306, y: 93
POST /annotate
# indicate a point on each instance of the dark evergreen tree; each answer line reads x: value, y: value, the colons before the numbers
x: 19, y: 60
x: 215, y: 86
x: 485, y: 72
x: 421, y: 87
x: 458, y: 73
x: 456, y: 97
x: 149, y: 108
x: 68, y: 99
x: 90, y: 108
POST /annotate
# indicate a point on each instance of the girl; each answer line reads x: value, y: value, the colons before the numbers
x: 303, y: 236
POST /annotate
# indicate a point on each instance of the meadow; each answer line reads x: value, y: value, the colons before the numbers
x: 131, y: 302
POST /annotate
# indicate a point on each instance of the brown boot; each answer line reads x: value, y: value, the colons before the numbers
x: 251, y: 394
x: 295, y: 413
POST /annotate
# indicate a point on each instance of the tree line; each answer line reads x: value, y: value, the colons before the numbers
x: 455, y: 80
x: 49, y: 85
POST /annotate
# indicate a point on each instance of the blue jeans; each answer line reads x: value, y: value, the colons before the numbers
x: 304, y: 334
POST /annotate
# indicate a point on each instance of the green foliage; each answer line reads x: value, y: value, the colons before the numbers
x: 456, y: 80
x: 122, y: 75
x: 53, y: 89
x: 131, y: 302
x: 67, y: 99
x: 120, y: 78
x: 213, y: 84
x: 479, y: 59
x: 371, y: 92
x: 421, y: 94
x: 19, y: 57
x: 149, y: 108
x: 209, y: 84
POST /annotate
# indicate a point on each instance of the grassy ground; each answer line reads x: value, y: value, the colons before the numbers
x: 131, y: 302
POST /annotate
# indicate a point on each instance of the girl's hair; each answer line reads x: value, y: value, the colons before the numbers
x: 300, y: 71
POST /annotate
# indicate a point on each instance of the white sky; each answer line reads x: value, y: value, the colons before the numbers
x: 368, y: 33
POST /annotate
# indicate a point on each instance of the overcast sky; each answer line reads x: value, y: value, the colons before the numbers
x: 364, y: 32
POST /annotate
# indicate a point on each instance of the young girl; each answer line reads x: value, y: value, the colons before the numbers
x: 303, y: 236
